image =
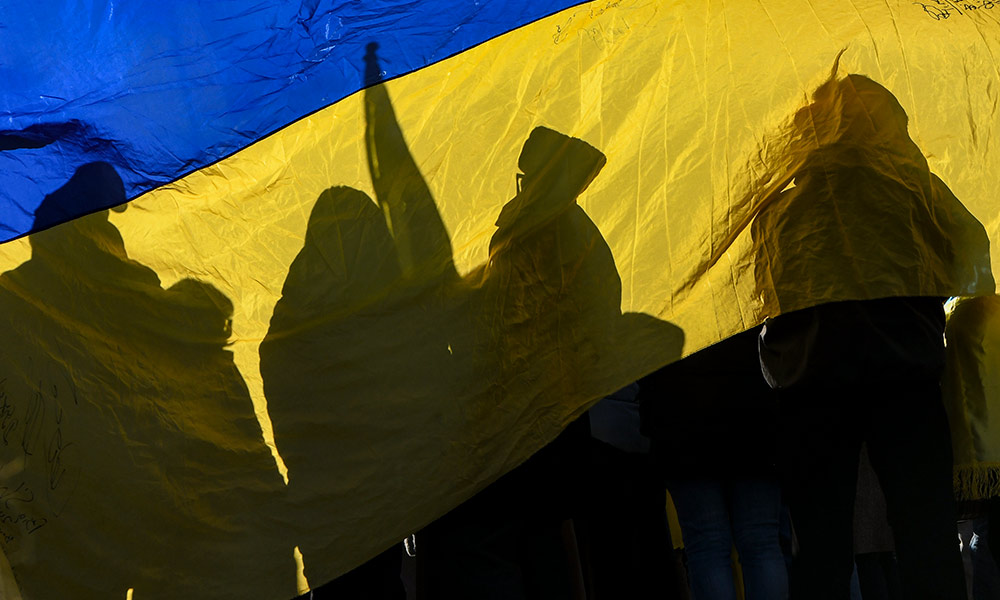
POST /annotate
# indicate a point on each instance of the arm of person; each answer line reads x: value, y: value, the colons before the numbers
x: 422, y: 240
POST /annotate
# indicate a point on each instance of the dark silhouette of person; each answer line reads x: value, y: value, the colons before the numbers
x: 129, y: 430
x: 550, y: 294
x: 712, y: 422
x: 862, y: 198
x: 331, y: 334
x: 970, y: 385
x: 863, y: 220
x: 371, y: 322
x: 508, y: 540
x: 547, y: 258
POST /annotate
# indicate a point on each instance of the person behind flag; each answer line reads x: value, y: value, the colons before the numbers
x: 712, y: 422
x: 863, y: 217
x: 971, y: 386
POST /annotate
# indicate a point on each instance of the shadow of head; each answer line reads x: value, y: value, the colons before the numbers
x: 348, y: 248
x: 854, y: 109
x: 94, y: 186
x: 204, y: 312
x: 340, y: 211
x: 373, y: 71
x: 555, y: 170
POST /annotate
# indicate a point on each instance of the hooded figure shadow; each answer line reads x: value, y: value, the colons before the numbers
x: 862, y: 215
x: 375, y: 324
x: 551, y: 293
x: 370, y: 322
x: 128, y: 427
x: 324, y: 363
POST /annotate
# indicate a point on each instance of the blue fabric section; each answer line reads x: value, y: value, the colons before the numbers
x: 160, y: 89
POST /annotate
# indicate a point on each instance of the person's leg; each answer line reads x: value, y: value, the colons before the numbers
x: 472, y: 551
x: 470, y: 556
x: 820, y: 454
x: 552, y: 492
x: 856, y: 584
x: 625, y: 527
x: 910, y: 449
x: 993, y: 536
x: 544, y: 561
x: 755, y: 508
x: 965, y: 534
x: 704, y: 519
x: 873, y: 576
x: 986, y: 575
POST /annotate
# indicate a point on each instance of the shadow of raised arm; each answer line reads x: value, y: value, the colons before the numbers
x: 422, y: 241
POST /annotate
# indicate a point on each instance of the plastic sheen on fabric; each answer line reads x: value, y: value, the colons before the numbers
x: 301, y: 280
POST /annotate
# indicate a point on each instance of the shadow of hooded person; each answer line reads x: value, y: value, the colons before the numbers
x: 856, y: 253
x: 863, y: 217
x: 550, y: 271
x: 549, y: 301
x: 134, y: 429
x: 363, y: 347
x: 222, y: 477
x: 323, y: 361
x: 544, y: 313
x: 552, y: 292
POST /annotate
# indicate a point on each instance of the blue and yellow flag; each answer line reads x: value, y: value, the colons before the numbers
x: 282, y: 283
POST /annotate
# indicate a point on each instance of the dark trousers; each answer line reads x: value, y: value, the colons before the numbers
x: 492, y: 555
x: 993, y: 537
x: 878, y: 576
x: 905, y: 427
x: 509, y: 542
x: 624, y: 531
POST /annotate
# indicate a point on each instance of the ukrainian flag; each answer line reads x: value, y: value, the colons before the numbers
x: 282, y: 283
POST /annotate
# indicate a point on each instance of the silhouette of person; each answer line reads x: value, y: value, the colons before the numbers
x: 971, y: 387
x: 552, y: 295
x: 551, y: 290
x: 138, y: 452
x: 864, y: 218
x: 331, y: 334
x: 368, y: 271
x: 218, y: 468
x: 551, y: 300
x: 337, y: 371
x: 547, y: 258
x: 862, y: 199
x: 712, y: 422
x: 507, y: 541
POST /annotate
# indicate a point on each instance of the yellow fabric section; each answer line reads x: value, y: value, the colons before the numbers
x: 971, y: 389
x: 373, y: 306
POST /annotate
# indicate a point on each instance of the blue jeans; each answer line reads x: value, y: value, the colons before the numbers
x: 714, y: 515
